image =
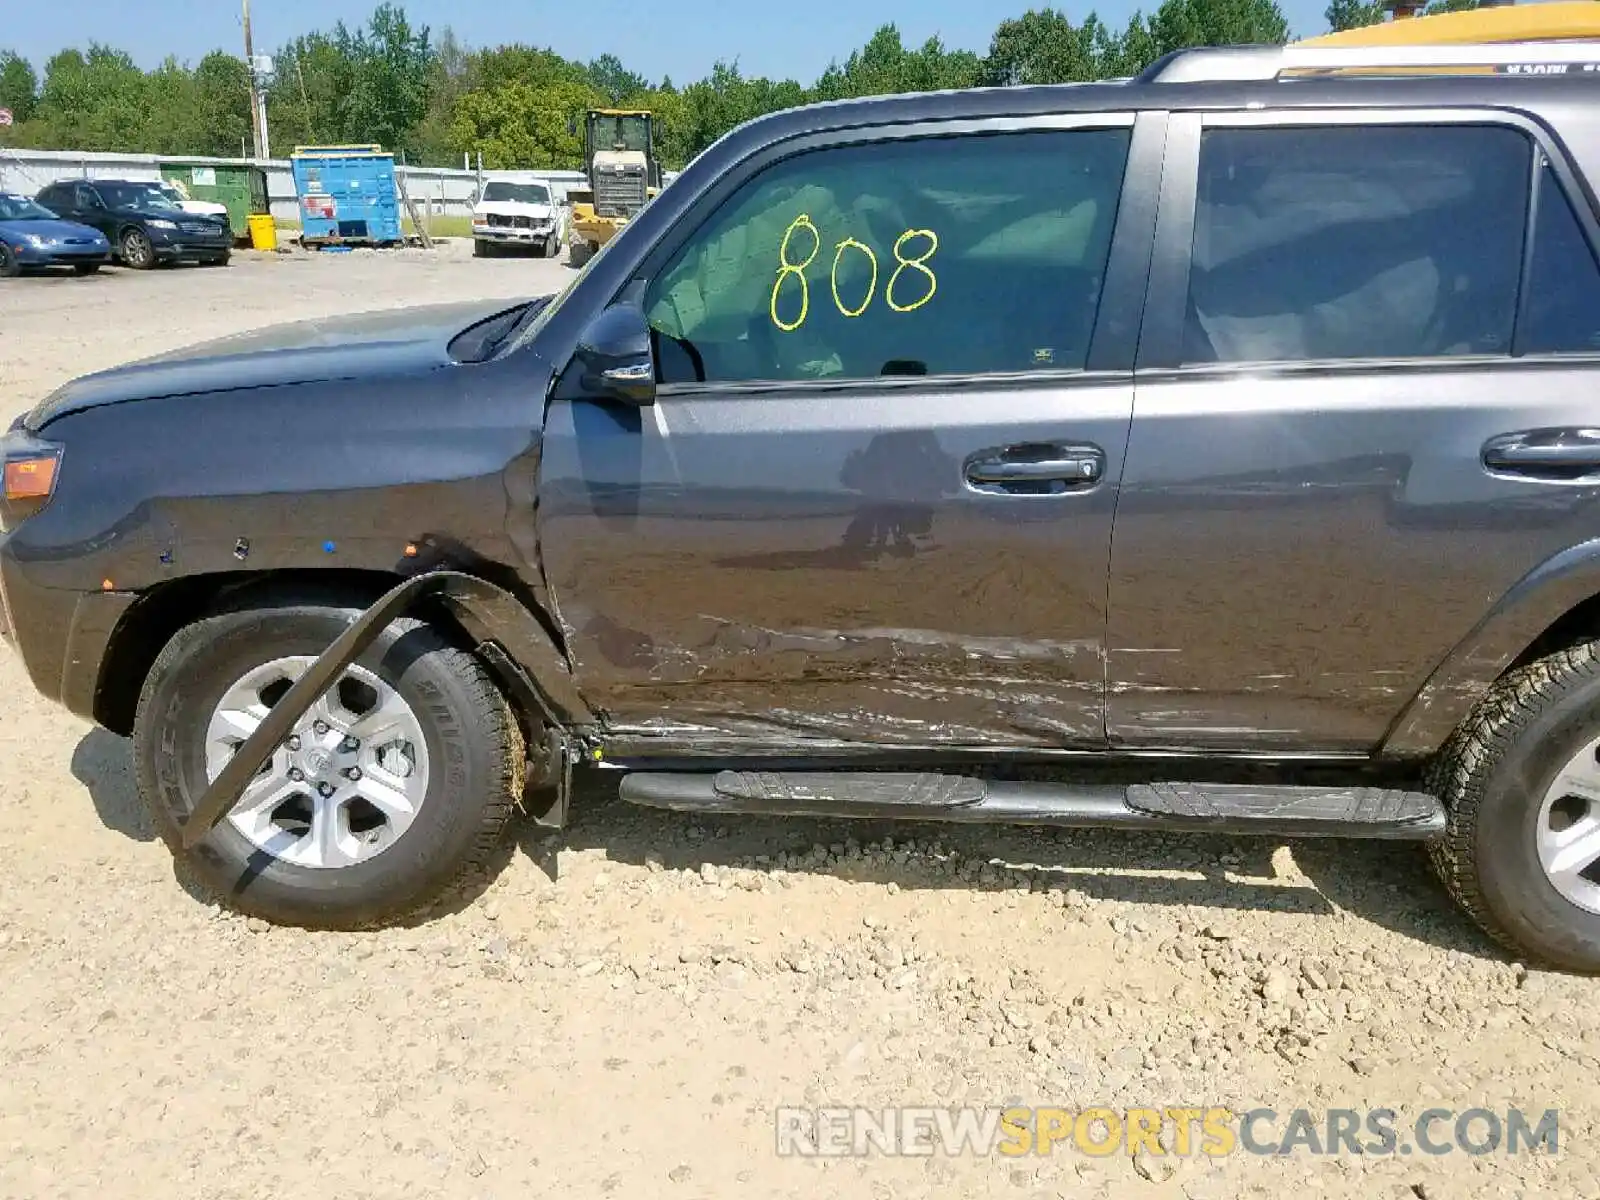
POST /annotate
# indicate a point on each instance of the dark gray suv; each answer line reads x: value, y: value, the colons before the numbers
x: 1214, y: 450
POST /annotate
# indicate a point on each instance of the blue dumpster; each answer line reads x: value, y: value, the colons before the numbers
x: 347, y: 195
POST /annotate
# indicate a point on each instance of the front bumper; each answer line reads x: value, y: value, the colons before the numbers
x: 62, y: 636
x: 515, y: 234
x: 61, y: 256
x: 187, y: 250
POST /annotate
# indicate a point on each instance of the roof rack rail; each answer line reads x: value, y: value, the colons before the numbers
x: 1216, y: 64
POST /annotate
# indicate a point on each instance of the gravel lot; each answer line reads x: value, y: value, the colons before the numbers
x: 621, y: 1006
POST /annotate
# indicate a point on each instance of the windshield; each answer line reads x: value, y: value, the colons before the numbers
x: 621, y: 133
x: 20, y: 208
x: 526, y: 193
x: 135, y: 195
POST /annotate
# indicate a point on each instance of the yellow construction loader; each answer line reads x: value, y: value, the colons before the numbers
x: 619, y: 159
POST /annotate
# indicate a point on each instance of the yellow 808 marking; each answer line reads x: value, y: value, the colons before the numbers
x: 796, y: 269
x: 919, y: 263
x: 833, y: 277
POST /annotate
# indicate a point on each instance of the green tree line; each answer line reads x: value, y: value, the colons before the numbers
x: 433, y: 98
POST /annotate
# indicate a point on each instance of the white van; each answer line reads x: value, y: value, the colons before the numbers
x: 518, y: 210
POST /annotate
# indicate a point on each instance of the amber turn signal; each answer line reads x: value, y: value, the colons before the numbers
x: 30, y: 478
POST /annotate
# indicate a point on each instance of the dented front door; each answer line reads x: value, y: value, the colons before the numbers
x: 872, y: 502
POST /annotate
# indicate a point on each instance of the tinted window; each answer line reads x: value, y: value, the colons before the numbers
x: 936, y: 256
x: 1564, y: 284
x: 1356, y: 243
x: 86, y: 197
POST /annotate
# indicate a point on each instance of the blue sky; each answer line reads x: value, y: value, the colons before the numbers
x: 682, y: 38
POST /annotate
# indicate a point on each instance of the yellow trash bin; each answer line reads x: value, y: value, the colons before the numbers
x: 263, y: 233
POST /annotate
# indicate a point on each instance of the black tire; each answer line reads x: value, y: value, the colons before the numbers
x: 1493, y: 776
x: 466, y: 723
x: 85, y: 268
x: 480, y: 248
x: 136, y: 250
x: 219, y: 261
x: 10, y: 268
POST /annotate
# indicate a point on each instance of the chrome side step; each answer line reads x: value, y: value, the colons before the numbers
x: 1289, y: 811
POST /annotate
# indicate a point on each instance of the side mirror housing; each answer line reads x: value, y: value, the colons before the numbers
x: 613, y: 358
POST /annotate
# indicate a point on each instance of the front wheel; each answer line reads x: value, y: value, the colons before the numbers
x: 1521, y: 779
x: 85, y: 268
x: 392, y: 790
x: 137, y: 250
x: 10, y: 268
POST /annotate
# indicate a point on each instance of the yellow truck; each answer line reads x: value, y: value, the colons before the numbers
x: 623, y: 173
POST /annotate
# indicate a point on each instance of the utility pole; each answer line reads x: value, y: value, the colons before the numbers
x: 257, y: 130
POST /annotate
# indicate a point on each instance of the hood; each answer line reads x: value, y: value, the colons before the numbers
x: 348, y: 347
x: 513, y: 208
x: 56, y: 230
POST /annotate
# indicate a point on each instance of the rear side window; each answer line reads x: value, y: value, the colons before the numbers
x: 943, y: 256
x: 1563, y: 312
x: 1356, y: 243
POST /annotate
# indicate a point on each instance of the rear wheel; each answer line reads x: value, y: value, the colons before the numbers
x: 136, y: 250
x: 392, y: 790
x: 1521, y: 779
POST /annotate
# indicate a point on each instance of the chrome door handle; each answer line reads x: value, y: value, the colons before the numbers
x: 1026, y: 469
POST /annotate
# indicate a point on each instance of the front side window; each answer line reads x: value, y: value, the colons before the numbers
x: 1356, y: 243
x: 938, y: 256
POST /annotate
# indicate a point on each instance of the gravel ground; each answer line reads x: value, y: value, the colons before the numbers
x: 621, y: 1006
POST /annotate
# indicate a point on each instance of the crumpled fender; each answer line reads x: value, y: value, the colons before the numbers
x: 1529, y: 607
x: 489, y: 613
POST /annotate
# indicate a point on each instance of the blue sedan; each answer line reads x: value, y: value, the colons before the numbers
x: 33, y: 236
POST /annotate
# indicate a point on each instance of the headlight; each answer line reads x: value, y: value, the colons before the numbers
x: 38, y: 241
x: 158, y: 223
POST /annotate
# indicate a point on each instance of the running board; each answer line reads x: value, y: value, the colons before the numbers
x: 1355, y: 812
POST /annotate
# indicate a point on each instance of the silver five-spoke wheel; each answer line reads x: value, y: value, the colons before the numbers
x: 346, y: 783
x: 1569, y: 829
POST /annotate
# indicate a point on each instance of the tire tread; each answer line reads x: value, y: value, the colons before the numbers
x: 1462, y: 769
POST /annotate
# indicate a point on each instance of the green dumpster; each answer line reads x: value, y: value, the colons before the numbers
x: 240, y: 186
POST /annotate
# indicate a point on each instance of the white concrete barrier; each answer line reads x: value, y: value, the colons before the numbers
x: 443, y: 190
